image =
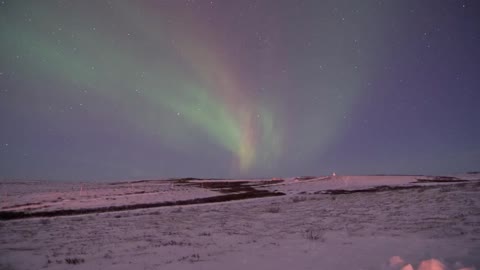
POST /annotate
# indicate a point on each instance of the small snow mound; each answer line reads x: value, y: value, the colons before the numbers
x: 432, y: 264
x: 396, y: 261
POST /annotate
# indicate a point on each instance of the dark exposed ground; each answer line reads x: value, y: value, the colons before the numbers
x: 233, y: 190
x: 229, y: 187
x: 419, y: 188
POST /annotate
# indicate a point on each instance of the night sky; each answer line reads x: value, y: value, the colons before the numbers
x: 110, y: 90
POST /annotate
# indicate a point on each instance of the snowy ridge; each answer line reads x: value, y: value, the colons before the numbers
x: 295, y: 186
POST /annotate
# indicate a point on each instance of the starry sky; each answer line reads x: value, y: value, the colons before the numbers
x: 109, y: 90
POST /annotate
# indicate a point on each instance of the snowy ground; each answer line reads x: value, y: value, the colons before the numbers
x: 308, y: 228
x: 48, y: 196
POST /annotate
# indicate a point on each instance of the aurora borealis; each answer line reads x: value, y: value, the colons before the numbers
x: 152, y: 89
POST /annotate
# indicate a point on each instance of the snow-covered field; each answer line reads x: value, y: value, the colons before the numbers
x: 341, y: 222
x: 48, y: 196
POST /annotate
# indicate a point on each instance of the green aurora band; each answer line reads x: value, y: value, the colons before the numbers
x: 192, y: 84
